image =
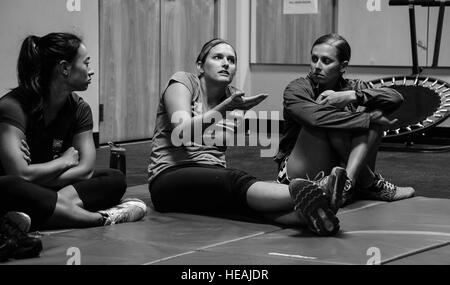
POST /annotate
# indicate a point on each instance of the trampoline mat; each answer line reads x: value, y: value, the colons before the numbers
x: 412, y: 231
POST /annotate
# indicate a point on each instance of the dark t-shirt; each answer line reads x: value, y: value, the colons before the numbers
x: 45, y: 142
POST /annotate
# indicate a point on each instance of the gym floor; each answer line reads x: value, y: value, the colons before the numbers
x: 412, y: 231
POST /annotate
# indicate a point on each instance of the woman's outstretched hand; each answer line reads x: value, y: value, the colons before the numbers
x: 238, y: 101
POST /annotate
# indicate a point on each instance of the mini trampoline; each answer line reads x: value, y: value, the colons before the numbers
x: 426, y: 99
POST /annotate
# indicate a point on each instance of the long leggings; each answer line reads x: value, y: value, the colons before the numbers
x: 201, y: 189
x: 103, y: 190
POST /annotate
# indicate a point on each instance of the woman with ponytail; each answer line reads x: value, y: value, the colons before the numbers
x: 47, y: 151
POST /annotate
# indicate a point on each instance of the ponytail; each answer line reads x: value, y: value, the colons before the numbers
x: 29, y: 64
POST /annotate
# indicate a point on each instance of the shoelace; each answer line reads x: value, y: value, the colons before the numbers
x: 319, y: 177
x: 382, y: 183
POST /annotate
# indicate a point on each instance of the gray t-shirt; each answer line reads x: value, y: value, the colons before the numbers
x: 164, y: 153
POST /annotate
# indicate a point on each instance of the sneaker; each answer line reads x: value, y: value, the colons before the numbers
x: 129, y: 210
x: 15, y: 226
x: 384, y: 190
x: 312, y: 204
x: 335, y: 185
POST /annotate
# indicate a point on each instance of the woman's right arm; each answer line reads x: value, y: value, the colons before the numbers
x: 177, y: 100
x: 14, y: 163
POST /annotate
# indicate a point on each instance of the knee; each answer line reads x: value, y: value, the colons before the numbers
x: 390, y: 103
x: 396, y: 101
x: 240, y: 183
x: 158, y: 201
x: 117, y: 181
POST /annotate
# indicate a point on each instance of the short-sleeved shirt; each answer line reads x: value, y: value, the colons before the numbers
x: 45, y: 142
x: 164, y: 153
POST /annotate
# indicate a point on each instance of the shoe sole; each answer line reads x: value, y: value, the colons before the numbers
x: 313, y: 205
x: 338, y: 178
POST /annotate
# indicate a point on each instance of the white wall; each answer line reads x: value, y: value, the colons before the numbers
x: 272, y: 79
x: 20, y: 18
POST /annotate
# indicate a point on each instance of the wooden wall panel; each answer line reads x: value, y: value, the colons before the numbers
x: 287, y: 38
x: 185, y: 26
x: 129, y: 68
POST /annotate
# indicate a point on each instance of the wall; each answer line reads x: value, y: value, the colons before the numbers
x: 20, y: 18
x: 272, y: 79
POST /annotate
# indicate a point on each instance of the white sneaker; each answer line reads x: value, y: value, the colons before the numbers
x: 129, y: 210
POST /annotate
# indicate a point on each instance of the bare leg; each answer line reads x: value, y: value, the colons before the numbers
x: 69, y: 213
x: 355, y: 150
x: 352, y: 149
x: 312, y: 154
x: 375, y: 140
x: 269, y: 197
x: 274, y: 201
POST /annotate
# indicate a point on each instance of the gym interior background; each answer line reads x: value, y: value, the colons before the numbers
x: 135, y: 45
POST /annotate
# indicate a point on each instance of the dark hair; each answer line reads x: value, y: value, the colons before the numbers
x: 209, y: 45
x: 344, y: 51
x: 38, y: 57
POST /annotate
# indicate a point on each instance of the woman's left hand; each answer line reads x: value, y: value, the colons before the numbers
x: 238, y: 101
x: 338, y: 99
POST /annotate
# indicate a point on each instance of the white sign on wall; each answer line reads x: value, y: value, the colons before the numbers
x: 300, y: 7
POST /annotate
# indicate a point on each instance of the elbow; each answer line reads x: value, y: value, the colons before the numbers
x: 89, y: 174
x: 24, y: 174
x: 394, y: 102
x: 387, y: 100
x: 397, y: 100
x: 86, y: 174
